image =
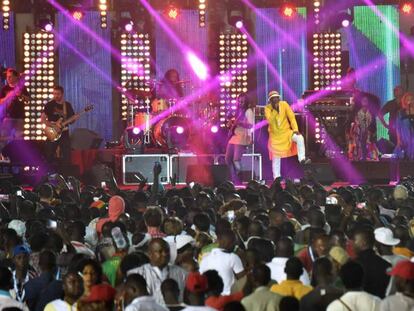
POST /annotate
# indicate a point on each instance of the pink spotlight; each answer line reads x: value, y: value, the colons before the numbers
x: 179, y: 130
x: 214, y: 129
x: 199, y: 68
x: 129, y: 26
x: 48, y: 27
x: 239, y: 24
x: 136, y: 130
x: 345, y: 23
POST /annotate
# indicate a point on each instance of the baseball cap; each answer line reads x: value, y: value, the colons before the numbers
x: 100, y: 292
x: 403, y: 269
x: 21, y: 249
x: 273, y: 94
x: 196, y: 283
x: 385, y: 236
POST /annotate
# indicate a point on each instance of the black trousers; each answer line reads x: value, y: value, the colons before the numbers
x: 64, y: 144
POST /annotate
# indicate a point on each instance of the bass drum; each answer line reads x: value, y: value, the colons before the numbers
x: 169, y: 127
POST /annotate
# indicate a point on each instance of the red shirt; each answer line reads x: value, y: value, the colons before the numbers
x: 218, y: 302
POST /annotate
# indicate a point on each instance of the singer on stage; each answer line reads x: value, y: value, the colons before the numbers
x: 284, y: 137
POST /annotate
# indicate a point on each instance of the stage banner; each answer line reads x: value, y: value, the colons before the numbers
x: 282, y: 63
x: 85, y: 69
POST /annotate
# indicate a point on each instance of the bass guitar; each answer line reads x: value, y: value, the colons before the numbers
x: 54, y: 132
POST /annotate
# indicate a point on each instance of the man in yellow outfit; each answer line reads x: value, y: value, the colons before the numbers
x: 284, y: 137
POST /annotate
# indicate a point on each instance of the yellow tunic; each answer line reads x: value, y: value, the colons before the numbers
x: 281, y: 128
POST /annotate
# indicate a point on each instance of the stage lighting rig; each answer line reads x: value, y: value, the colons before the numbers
x: 407, y: 7
x: 172, y: 11
x: 236, y: 14
x: 202, y: 7
x: 103, y: 10
x: 5, y: 8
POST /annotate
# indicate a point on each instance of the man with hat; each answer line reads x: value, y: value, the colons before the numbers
x: 22, y: 272
x: 403, y: 300
x: 284, y: 137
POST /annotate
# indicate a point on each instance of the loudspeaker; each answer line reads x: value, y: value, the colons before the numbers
x: 210, y: 175
x: 372, y: 172
x: 135, y: 164
x: 82, y: 139
x: 180, y: 164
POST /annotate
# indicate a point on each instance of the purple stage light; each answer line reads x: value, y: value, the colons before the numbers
x: 136, y: 130
x: 129, y: 26
x: 49, y: 27
x: 345, y: 23
x: 239, y: 24
x: 199, y: 68
x: 179, y: 130
x: 214, y: 129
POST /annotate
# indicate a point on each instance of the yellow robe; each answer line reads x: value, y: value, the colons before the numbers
x: 281, y: 128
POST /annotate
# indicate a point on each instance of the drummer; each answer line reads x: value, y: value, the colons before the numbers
x: 170, y: 86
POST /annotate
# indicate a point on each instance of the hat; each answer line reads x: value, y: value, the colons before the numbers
x: 273, y: 94
x: 183, y: 240
x: 18, y: 226
x: 21, y: 249
x: 339, y: 255
x: 100, y: 292
x: 400, y: 192
x: 196, y: 283
x: 403, y: 269
x: 385, y: 236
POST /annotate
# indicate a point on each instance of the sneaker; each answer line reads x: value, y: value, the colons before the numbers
x: 306, y: 161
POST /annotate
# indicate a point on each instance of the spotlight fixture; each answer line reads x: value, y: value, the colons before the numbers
x: 214, y: 129
x: 179, y: 130
x: 5, y: 8
x: 202, y: 13
x: 77, y: 15
x: 288, y: 10
x: 128, y: 25
x: 172, y: 11
x: 235, y: 14
x: 45, y: 24
x: 317, y: 11
x: 345, y: 19
x: 406, y: 7
x: 103, y: 9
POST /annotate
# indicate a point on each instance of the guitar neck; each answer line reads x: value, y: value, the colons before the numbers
x: 72, y: 118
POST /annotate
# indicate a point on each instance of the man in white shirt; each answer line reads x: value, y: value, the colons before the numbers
x: 355, y: 299
x: 137, y: 297
x: 6, y: 284
x: 284, y: 251
x: 224, y: 261
x: 159, y: 270
x: 73, y: 289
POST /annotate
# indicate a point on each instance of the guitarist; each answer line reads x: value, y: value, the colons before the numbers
x: 240, y: 136
x: 13, y: 97
x: 55, y: 112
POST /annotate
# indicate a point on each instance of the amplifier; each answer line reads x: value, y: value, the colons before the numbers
x: 132, y: 164
x: 181, y: 162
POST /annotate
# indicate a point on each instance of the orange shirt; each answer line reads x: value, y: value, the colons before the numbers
x: 218, y: 302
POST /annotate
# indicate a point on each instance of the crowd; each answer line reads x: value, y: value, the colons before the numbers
x: 289, y: 246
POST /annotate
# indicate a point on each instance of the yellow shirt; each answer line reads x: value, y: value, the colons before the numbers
x: 282, y: 124
x: 293, y: 288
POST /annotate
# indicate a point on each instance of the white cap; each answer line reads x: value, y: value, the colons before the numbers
x: 385, y: 236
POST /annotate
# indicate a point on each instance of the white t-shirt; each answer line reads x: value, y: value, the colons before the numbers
x: 226, y: 264
x: 356, y: 301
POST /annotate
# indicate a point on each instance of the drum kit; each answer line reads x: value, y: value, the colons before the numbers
x: 149, y: 113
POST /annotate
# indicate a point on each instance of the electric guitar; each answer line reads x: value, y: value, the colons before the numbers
x: 54, y: 132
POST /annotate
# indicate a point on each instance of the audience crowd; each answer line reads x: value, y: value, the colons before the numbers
x: 66, y: 246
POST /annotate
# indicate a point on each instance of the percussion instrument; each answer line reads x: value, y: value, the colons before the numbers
x: 143, y: 121
x: 172, y: 125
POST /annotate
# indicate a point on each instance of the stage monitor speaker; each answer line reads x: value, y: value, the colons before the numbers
x: 209, y: 175
x: 83, y: 139
x: 135, y: 164
x: 181, y: 162
x: 25, y: 152
x: 372, y: 172
x: 248, y: 161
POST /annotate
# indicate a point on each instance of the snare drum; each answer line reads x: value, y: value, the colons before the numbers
x: 162, y: 128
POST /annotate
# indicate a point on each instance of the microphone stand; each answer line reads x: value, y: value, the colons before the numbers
x: 253, y: 142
